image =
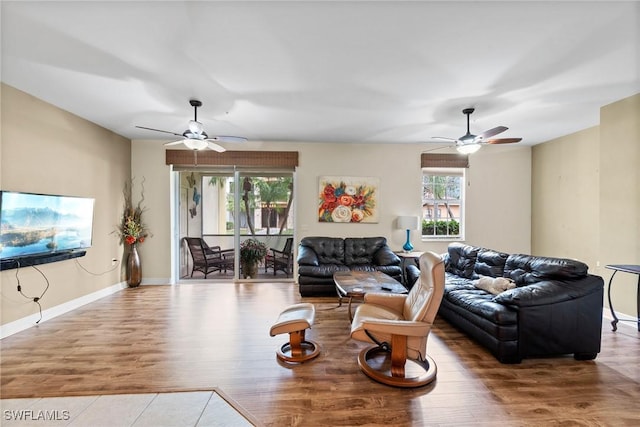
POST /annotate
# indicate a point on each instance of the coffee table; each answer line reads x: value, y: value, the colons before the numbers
x: 355, y: 284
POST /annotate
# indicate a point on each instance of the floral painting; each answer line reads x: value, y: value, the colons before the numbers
x: 348, y: 199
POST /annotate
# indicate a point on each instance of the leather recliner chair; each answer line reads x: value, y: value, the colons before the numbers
x: 399, y: 325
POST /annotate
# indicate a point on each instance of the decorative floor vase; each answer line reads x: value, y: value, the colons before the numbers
x: 134, y: 270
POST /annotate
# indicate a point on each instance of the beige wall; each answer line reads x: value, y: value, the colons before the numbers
x: 46, y: 150
x: 148, y: 164
x: 586, y: 197
x: 499, y: 199
x: 565, y: 215
x: 498, y: 176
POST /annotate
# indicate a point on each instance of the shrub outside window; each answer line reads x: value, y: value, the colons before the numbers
x: 443, y: 203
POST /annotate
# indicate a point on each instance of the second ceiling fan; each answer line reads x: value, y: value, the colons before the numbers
x: 195, y: 138
x: 470, y: 143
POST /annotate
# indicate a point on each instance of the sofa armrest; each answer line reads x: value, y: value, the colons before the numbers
x: 385, y: 256
x: 550, y: 292
x: 412, y: 273
x: 307, y: 256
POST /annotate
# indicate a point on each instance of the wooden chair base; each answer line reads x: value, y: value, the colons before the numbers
x: 376, y: 363
x: 305, y: 350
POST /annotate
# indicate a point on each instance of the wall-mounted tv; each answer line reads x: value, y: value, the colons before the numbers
x: 43, y: 224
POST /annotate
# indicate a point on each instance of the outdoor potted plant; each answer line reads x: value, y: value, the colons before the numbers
x: 252, y: 252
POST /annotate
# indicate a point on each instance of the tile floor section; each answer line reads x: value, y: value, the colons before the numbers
x: 199, y: 408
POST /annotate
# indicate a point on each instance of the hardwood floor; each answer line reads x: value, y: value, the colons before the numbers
x: 198, y: 336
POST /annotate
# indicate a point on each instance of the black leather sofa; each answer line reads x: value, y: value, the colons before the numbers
x: 320, y: 257
x: 554, y: 309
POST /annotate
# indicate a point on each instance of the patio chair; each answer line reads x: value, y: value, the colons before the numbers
x: 280, y: 259
x: 207, y: 259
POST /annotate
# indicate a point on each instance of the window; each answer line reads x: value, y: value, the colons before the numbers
x: 443, y: 203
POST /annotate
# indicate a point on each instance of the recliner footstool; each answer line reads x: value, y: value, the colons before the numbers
x: 295, y: 320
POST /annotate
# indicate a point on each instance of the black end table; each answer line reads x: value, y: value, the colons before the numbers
x: 633, y: 269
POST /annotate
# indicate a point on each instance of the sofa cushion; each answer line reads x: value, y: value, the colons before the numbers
x: 321, y: 271
x: 363, y: 267
x: 527, y: 269
x: 462, y: 259
x: 482, y: 304
x: 360, y: 250
x: 330, y: 250
x: 455, y: 281
x: 490, y: 263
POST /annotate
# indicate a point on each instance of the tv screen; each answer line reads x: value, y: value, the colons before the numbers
x: 40, y: 224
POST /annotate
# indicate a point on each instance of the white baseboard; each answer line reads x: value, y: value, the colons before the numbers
x: 155, y: 281
x: 30, y: 321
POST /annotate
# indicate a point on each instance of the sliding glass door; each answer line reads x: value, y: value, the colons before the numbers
x: 225, y: 208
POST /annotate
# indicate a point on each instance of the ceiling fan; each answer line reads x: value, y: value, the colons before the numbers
x: 470, y: 143
x: 195, y: 138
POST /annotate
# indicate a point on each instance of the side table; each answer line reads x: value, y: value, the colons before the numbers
x: 633, y: 269
x: 404, y: 256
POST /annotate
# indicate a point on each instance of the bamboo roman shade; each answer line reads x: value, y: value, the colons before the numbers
x: 432, y: 160
x: 271, y: 159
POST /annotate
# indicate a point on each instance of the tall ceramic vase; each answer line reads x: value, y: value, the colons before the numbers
x: 134, y: 270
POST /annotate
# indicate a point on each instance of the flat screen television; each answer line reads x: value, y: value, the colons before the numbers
x: 34, y: 225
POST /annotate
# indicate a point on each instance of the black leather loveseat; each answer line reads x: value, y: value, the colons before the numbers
x: 320, y: 257
x: 554, y: 309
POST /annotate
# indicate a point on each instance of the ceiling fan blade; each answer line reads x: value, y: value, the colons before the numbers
x: 442, y: 147
x: 503, y: 140
x: 227, y: 138
x: 492, y: 132
x: 445, y: 138
x: 215, y: 147
x: 158, y: 130
x: 180, y: 141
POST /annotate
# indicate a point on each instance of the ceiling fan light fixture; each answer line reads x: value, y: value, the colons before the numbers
x: 468, y: 148
x: 195, y: 144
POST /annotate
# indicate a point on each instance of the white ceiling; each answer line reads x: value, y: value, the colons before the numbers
x: 384, y: 71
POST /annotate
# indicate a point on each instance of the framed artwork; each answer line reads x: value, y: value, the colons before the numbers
x: 348, y: 199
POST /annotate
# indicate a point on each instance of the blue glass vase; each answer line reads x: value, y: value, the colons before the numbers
x: 408, y: 247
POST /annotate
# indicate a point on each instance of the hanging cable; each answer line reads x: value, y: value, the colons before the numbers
x: 34, y: 299
x: 116, y: 265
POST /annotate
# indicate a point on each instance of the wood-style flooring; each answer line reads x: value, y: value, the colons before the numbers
x: 201, y: 336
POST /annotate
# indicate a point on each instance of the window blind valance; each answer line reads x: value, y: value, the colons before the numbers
x: 433, y: 160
